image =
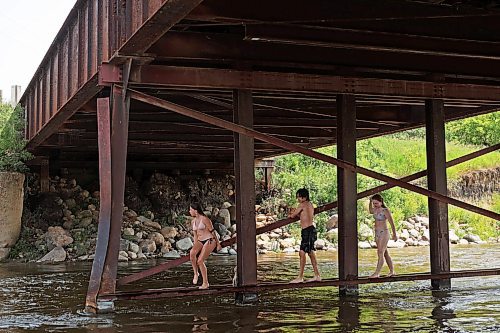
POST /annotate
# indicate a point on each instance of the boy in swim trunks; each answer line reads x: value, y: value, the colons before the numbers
x: 306, y: 212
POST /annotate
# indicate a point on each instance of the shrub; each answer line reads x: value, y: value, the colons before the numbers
x: 12, y: 143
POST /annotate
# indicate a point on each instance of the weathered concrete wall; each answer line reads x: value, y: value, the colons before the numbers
x: 11, y: 207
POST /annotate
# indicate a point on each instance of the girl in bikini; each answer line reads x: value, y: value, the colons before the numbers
x: 205, y: 241
x: 381, y: 214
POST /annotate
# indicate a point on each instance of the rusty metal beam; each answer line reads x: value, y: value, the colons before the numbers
x: 152, y: 165
x: 308, y: 152
x: 224, y: 289
x: 370, y: 40
x: 80, y: 98
x: 104, y: 126
x: 275, y: 81
x: 44, y: 176
x: 119, y: 133
x: 245, y: 196
x: 321, y: 11
x: 165, y: 17
x: 225, y: 49
x: 347, y: 188
x: 436, y: 181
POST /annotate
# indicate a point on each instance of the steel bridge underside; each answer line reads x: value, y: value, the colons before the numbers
x: 192, y: 85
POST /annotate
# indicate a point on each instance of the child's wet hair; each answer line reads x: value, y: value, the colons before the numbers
x: 303, y: 193
x: 197, y: 207
x: 378, y: 197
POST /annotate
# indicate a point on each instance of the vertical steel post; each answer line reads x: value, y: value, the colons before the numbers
x: 245, y: 197
x: 436, y: 180
x: 44, y: 175
x: 104, y: 142
x: 119, y: 136
x: 347, y: 193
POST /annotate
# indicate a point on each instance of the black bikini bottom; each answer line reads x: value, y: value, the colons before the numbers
x: 209, y: 240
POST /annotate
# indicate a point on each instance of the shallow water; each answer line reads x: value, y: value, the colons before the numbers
x: 49, y: 298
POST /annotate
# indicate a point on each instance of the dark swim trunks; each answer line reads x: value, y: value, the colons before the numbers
x: 309, y: 236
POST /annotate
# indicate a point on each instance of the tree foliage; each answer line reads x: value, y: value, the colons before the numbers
x: 481, y: 130
x: 12, y: 153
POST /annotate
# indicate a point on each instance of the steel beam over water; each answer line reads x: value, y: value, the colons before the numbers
x: 347, y: 189
x: 225, y: 289
x: 436, y: 181
x: 104, y: 135
x: 244, y: 171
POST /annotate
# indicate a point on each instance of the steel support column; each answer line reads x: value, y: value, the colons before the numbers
x: 347, y: 193
x: 44, y: 175
x: 436, y: 180
x: 245, y: 197
x: 113, y: 136
x: 104, y: 136
x: 119, y: 136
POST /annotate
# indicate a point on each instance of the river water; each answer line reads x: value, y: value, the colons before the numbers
x: 49, y: 298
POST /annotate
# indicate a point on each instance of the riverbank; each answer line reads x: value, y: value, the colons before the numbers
x: 64, y: 225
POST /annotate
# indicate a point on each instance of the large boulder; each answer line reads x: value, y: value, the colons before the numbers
x: 184, y: 244
x: 332, y: 222
x: 57, y: 254
x: 11, y: 207
x: 169, y: 232
x: 57, y: 237
x: 453, y: 237
x: 4, y: 253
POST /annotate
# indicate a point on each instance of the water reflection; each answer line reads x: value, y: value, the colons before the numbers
x: 200, y: 325
x: 247, y: 319
x: 443, y: 311
x: 42, y: 298
x: 349, y: 313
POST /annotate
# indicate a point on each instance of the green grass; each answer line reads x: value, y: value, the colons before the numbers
x: 402, y: 157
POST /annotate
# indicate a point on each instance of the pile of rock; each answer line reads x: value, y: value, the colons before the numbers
x: 414, y: 232
x: 67, y: 230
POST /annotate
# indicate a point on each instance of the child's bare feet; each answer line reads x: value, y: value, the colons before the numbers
x: 204, y: 286
x: 374, y: 276
x: 195, y: 279
x: 297, y: 280
x: 391, y: 274
x: 314, y: 279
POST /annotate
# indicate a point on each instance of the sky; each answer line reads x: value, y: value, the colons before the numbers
x: 27, y: 28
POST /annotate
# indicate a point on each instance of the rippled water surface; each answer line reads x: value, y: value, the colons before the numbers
x: 49, y: 298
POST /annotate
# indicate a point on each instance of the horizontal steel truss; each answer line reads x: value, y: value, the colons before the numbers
x: 225, y: 289
x: 171, y: 76
x: 391, y: 182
